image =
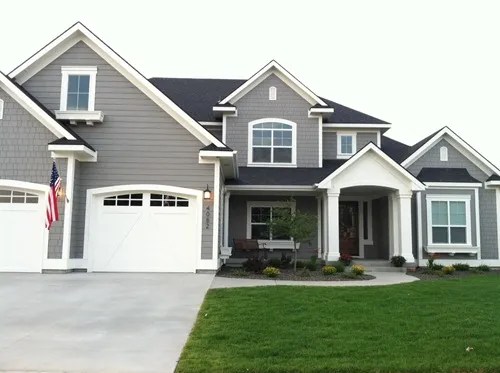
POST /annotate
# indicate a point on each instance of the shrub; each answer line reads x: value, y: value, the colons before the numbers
x: 274, y: 262
x: 448, y: 270
x: 483, y: 268
x: 286, y: 261
x: 301, y: 264
x: 328, y: 270
x: 461, y: 266
x: 305, y: 273
x: 430, y: 261
x: 437, y: 267
x: 254, y: 265
x: 238, y: 272
x: 339, y: 266
x: 358, y: 270
x: 271, y: 272
x: 398, y: 261
x: 312, y: 265
x: 346, y: 258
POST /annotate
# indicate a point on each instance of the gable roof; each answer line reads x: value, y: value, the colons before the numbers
x: 446, y: 175
x: 421, y: 148
x: 198, y: 96
x: 78, y: 32
x: 274, y: 67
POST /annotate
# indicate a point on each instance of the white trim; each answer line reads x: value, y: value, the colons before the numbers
x: 478, y: 222
x: 379, y: 139
x: 225, y: 109
x: 485, y: 165
x: 271, y: 204
x: 219, y: 154
x: 273, y: 93
x: 293, y: 163
x: 492, y: 183
x: 263, y: 73
x: 81, y: 152
x: 341, y: 134
x: 91, y: 193
x: 284, y: 188
x: 79, y: 32
x: 16, y: 184
x: 468, y: 221
x: 453, y: 185
x: 319, y: 224
x: 211, y: 123
x: 2, y: 105
x: 443, y: 154
x: 471, y: 262
x: 498, y: 219
x: 45, y: 119
x: 355, y: 125
x: 452, y: 249
x: 419, y: 227
x: 227, y: 196
x: 74, y: 116
x: 313, y: 112
x: 417, y: 185
x: 66, y: 71
x: 68, y: 209
x: 333, y: 225
x: 215, y: 214
x: 320, y: 141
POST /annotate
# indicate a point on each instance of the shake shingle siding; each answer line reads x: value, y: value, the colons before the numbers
x: 24, y: 157
x: 330, y: 141
x: 289, y: 105
x: 138, y: 143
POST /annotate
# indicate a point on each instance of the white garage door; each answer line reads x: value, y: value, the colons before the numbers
x: 22, y: 230
x: 143, y: 232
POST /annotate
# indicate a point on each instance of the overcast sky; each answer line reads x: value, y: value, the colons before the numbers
x: 420, y: 65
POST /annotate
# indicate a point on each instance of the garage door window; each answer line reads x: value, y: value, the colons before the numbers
x: 166, y: 200
x: 13, y: 196
x: 124, y: 200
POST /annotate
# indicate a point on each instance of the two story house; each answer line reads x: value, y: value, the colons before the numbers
x: 161, y: 174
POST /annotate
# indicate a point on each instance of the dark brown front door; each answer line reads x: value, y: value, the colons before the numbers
x: 348, y: 220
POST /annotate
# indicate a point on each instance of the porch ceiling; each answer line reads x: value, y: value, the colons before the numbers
x: 366, y: 190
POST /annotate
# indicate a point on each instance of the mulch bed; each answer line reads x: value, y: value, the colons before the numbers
x: 424, y: 274
x: 289, y: 275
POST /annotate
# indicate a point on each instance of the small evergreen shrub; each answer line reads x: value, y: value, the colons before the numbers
x: 254, y: 265
x: 339, y: 266
x: 312, y: 265
x: 358, y: 270
x: 274, y: 262
x: 301, y: 264
x: 286, y: 261
x: 271, y: 272
x: 483, y: 268
x: 448, y: 270
x: 328, y: 270
x: 398, y: 261
x: 461, y: 266
x: 437, y: 267
x: 346, y: 258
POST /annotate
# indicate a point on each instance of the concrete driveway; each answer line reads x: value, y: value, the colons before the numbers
x: 97, y: 322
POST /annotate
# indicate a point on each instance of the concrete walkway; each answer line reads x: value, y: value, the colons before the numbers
x: 381, y: 278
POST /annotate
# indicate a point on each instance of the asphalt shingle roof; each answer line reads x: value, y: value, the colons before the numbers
x: 446, y: 175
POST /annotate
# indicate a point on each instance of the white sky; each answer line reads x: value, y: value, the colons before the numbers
x: 419, y: 65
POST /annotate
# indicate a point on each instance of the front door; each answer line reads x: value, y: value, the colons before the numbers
x: 348, y: 220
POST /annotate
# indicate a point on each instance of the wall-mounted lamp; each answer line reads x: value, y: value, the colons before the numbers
x: 207, y: 194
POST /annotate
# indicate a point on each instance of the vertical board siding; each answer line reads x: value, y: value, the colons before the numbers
x: 138, y: 142
x: 288, y: 105
x: 24, y: 157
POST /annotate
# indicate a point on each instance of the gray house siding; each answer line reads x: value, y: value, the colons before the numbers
x: 215, y: 130
x: 238, y: 221
x: 24, y: 157
x: 330, y: 142
x: 289, y: 105
x: 138, y: 143
x: 487, y: 198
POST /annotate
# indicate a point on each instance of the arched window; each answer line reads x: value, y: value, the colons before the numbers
x: 1, y: 109
x: 272, y: 141
x: 273, y: 93
x: 443, y: 154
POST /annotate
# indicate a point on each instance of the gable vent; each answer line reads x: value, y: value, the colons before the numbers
x: 443, y: 154
x: 272, y: 93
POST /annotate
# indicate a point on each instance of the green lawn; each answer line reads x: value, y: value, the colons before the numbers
x: 419, y: 327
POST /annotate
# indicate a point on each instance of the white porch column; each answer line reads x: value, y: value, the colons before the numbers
x: 68, y: 211
x: 325, y: 226
x: 320, y: 227
x: 333, y: 226
x: 226, y: 218
x: 394, y: 242
x: 405, y: 235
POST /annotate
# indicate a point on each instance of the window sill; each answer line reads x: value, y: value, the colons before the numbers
x: 75, y: 116
x: 452, y: 249
x: 276, y: 165
x: 344, y: 156
x: 277, y: 245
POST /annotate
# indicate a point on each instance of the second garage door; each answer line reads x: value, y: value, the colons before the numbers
x: 141, y: 231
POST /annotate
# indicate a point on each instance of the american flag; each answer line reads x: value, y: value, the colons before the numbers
x: 55, y: 186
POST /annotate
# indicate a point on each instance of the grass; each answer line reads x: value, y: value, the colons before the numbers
x: 417, y: 327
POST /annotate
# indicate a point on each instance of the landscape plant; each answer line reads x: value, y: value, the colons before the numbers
x: 271, y: 272
x: 398, y: 260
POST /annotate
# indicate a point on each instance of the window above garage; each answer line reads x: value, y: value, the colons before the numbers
x: 13, y: 196
x: 78, y: 87
x: 124, y: 200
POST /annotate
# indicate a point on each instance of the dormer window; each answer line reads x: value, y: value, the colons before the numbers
x: 346, y: 144
x: 273, y: 93
x: 78, y: 86
x: 272, y: 142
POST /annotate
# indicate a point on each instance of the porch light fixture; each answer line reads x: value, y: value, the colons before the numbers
x: 207, y: 194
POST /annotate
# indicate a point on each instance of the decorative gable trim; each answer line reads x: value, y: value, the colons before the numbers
x: 273, y: 67
x: 27, y: 103
x: 418, y: 185
x: 473, y: 155
x: 78, y: 32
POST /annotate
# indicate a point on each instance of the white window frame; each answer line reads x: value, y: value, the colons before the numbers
x: 443, y: 154
x: 2, y: 104
x: 341, y: 155
x: 293, y: 163
x: 273, y: 93
x: 468, y: 219
x: 270, y: 204
x: 66, y: 71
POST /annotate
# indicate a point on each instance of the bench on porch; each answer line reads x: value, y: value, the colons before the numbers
x: 247, y: 244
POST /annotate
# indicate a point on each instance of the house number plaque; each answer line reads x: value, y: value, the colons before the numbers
x: 207, y: 217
